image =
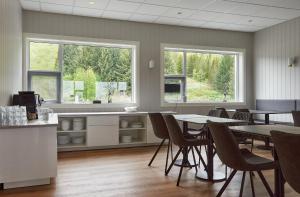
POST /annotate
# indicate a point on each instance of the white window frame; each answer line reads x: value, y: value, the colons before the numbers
x: 134, y: 45
x: 240, y: 75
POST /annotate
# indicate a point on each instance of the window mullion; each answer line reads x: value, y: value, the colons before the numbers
x: 183, y: 93
x: 60, y: 78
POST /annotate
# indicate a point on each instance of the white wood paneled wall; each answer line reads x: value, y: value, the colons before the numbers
x: 10, y: 49
x: 272, y: 77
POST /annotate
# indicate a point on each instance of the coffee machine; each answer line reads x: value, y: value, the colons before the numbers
x: 30, y: 100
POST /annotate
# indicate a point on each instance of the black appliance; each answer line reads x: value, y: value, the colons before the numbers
x: 30, y: 100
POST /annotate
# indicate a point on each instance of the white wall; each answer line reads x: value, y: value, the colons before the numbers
x: 150, y: 36
x: 272, y: 47
x: 10, y: 49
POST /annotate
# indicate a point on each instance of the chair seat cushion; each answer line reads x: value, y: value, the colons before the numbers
x: 257, y: 163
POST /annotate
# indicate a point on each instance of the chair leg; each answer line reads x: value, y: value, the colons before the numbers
x: 265, y: 183
x: 195, y: 163
x: 242, y: 184
x: 189, y: 164
x: 252, y: 144
x: 201, y: 159
x: 171, y: 144
x: 157, y: 150
x: 252, y: 185
x: 199, y: 156
x: 171, y: 165
x: 167, y: 159
x: 226, y: 183
x: 181, y: 167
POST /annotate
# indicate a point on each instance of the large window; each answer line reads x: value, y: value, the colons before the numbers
x: 81, y: 72
x: 196, y: 75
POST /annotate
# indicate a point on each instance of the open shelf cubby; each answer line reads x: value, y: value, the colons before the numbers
x: 134, y: 130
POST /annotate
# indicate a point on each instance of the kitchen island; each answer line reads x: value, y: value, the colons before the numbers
x: 28, y: 153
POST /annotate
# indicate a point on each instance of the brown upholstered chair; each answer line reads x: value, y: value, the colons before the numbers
x: 184, y: 144
x: 222, y: 113
x: 242, y: 138
x: 161, y: 131
x: 213, y: 113
x: 238, y: 159
x: 288, y: 157
x: 296, y: 117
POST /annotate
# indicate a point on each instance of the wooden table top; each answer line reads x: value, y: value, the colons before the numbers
x: 265, y: 129
x: 201, y: 119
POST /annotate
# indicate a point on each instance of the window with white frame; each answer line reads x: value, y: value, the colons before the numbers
x: 81, y: 72
x: 202, y: 74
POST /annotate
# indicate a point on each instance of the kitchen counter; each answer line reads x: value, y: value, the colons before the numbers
x: 28, y: 153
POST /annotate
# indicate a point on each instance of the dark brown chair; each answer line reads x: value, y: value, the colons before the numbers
x: 296, y: 117
x: 242, y: 138
x: 184, y: 144
x: 222, y: 113
x: 213, y: 113
x: 287, y: 147
x: 161, y: 131
x: 238, y: 159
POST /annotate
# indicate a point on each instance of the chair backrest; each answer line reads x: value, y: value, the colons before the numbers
x: 243, y: 110
x: 242, y: 116
x: 226, y: 146
x: 287, y: 147
x: 213, y: 113
x: 174, y: 130
x: 159, y: 125
x: 222, y: 113
x: 296, y: 117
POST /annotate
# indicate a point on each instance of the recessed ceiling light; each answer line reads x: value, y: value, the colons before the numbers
x: 92, y: 2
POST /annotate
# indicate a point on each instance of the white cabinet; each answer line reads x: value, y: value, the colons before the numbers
x: 102, y: 130
x: 28, y: 156
x: 103, y: 135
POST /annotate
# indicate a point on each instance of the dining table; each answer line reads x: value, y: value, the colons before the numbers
x: 264, y: 130
x: 210, y: 175
x: 267, y: 114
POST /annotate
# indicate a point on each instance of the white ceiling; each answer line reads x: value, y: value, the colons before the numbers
x: 237, y: 15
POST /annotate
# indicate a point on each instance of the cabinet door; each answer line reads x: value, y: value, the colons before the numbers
x: 102, y: 135
x: 103, y: 120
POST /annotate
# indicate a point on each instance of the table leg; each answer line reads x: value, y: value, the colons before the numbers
x: 279, y: 180
x: 266, y: 146
x: 210, y: 175
x: 267, y: 118
x: 267, y: 141
x: 210, y: 158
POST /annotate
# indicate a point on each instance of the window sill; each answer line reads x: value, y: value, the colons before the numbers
x: 207, y: 104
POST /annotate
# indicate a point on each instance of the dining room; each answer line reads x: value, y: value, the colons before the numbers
x: 149, y: 98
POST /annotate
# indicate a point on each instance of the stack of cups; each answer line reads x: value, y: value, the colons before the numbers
x: 43, y: 113
x: 13, y: 115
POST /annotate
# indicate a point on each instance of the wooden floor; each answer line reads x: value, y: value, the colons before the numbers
x: 124, y: 172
